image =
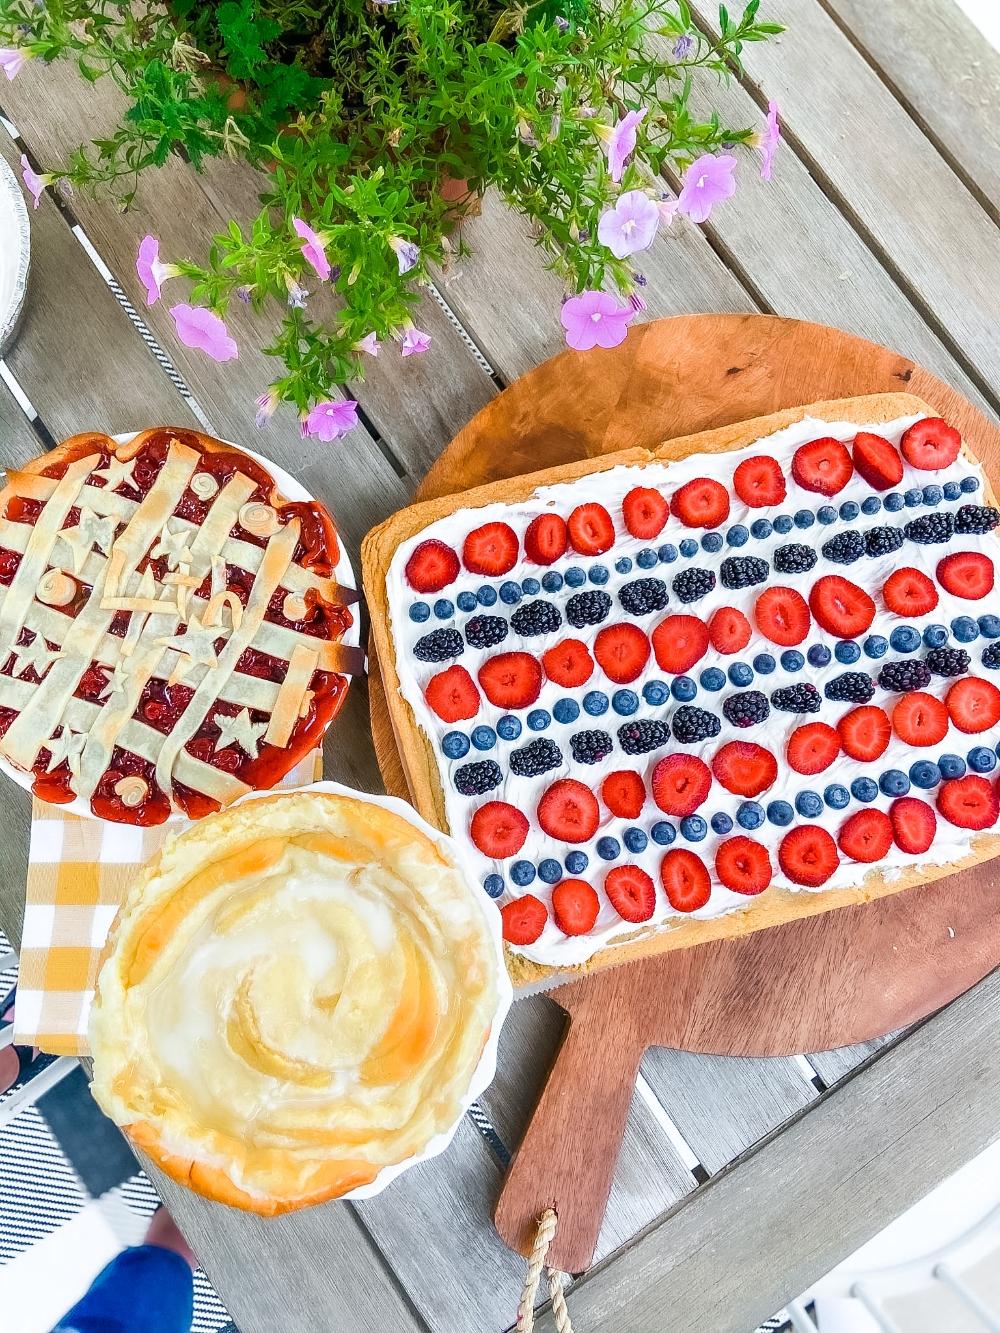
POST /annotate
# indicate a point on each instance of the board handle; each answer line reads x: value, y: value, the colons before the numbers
x: 566, y: 1160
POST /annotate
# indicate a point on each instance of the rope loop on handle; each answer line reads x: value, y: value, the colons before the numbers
x: 536, y: 1262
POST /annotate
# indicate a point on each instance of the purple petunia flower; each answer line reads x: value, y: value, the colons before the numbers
x: 594, y: 319
x: 204, y: 330
x: 265, y: 405
x: 153, y: 274
x: 329, y: 421
x: 415, y: 341
x: 621, y: 142
x: 629, y: 226
x: 313, y: 248
x: 33, y: 182
x: 369, y: 343
x: 707, y: 182
x: 296, y: 294
x: 12, y: 60
x: 406, y: 253
x: 769, y: 141
x: 561, y: 24
x: 682, y: 47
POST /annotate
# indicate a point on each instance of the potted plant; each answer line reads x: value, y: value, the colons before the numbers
x: 380, y: 124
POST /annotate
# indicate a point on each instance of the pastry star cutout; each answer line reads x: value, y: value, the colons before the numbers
x: 174, y: 545
x: 197, y: 646
x: 117, y: 472
x: 67, y: 746
x: 247, y: 734
x: 34, y: 654
x: 91, y: 531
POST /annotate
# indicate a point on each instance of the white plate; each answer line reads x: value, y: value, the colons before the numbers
x: 15, y: 249
x: 344, y: 574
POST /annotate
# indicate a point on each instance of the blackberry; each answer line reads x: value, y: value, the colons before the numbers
x: 794, y: 559
x: 475, y: 779
x: 742, y: 571
x: 991, y: 656
x: 642, y: 735
x: 853, y: 687
x: 845, y: 548
x: 901, y: 677
x: 536, y: 618
x: 538, y: 757
x: 747, y: 708
x: 883, y: 541
x: 439, y: 645
x: 976, y: 519
x: 690, y: 584
x: 801, y: 698
x: 485, y: 631
x: 948, y: 661
x: 590, y: 747
x: 588, y: 608
x: 930, y: 529
x: 694, y: 724
x: 643, y: 596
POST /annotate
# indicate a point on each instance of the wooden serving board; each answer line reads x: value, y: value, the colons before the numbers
x: 812, y: 984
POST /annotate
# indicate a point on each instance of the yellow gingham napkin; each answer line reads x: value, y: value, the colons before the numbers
x: 79, y: 870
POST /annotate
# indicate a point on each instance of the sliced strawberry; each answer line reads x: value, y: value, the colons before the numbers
x: 631, y: 893
x: 685, y: 879
x: 511, y: 680
x: 452, y: 694
x: 499, y: 829
x: 969, y: 802
x: 782, y: 616
x: 814, y: 746
x: 624, y: 793
x: 759, y: 482
x: 645, y: 511
x: 569, y: 663
x: 967, y: 574
x: 491, y: 550
x: 569, y: 811
x: 431, y: 566
x: 877, y: 461
x: 701, y: 503
x: 914, y: 824
x: 681, y: 782
x: 865, y: 733
x: 743, y: 865
x: 679, y: 642
x: 920, y: 719
x: 621, y: 651
x: 973, y: 704
x: 822, y: 465
x: 524, y: 919
x: 591, y: 530
x: 866, y: 835
x: 729, y: 630
x: 841, y: 607
x: 545, y: 539
x: 808, y: 855
x: 744, y: 768
x: 909, y: 592
x: 930, y: 444
x: 575, y: 906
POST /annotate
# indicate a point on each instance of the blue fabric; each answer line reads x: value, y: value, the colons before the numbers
x: 146, y: 1289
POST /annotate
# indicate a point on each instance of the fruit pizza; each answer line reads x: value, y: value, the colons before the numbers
x: 667, y: 697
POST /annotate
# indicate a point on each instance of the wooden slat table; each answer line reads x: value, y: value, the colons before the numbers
x: 740, y: 1181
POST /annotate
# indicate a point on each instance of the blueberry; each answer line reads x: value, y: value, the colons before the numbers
x: 933, y: 495
x: 608, y: 849
x: 905, y: 639
x: 989, y: 627
x: 712, y: 679
x: 599, y: 574
x: 871, y: 505
x: 663, y: 833
x: 552, y: 581
x: 684, y: 689
x: 574, y: 577
x: 694, y: 828
x: 876, y: 646
x: 510, y: 593
x: 893, y: 782
x: 792, y: 660
x: 913, y: 497
x: 764, y: 664
x: 550, y: 870
x: 667, y: 553
x: 635, y: 841
x: 711, y: 542
x: 804, y: 518
x: 538, y: 719
x: 951, y: 766
x: 566, y: 710
x: 925, y: 773
x: 970, y: 484
x: 656, y: 692
x: 780, y: 813
x: 721, y: 823
x: 420, y: 612
x: 847, y: 651
x: 893, y: 502
x: 740, y: 674
x: 689, y: 547
x: 982, y: 759
x: 444, y: 609
x: 595, y: 702
x: 965, y: 629
x: 827, y: 514
x: 809, y: 804
x: 849, y: 511
x: 936, y: 636
x: 509, y: 728
x: 836, y: 796
x: 522, y: 873
x: 623, y: 566
x: 952, y: 490
x: 576, y: 862
x: 484, y: 738
x: 750, y: 815
x: 486, y: 596
x: 737, y: 535
x: 467, y: 601
x: 455, y: 745
x: 782, y: 524
x: 818, y: 655
x: 493, y: 884
x: 646, y: 558
x: 761, y: 528
x: 625, y: 702
x: 530, y: 587
x: 864, y: 789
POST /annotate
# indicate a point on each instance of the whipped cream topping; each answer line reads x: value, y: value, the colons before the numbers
x: 553, y: 948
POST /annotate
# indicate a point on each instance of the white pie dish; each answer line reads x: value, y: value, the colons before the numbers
x: 15, y: 253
